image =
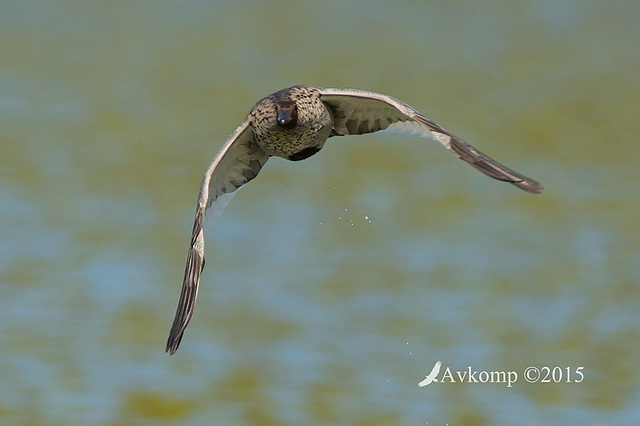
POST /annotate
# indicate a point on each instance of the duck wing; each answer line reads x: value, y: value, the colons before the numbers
x: 238, y: 161
x: 357, y: 112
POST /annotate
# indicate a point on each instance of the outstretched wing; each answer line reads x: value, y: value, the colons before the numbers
x: 356, y: 112
x: 238, y: 161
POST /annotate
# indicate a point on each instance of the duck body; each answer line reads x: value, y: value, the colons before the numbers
x: 294, y: 123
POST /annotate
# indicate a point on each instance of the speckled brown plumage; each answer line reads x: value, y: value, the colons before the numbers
x: 294, y: 123
x: 311, y: 131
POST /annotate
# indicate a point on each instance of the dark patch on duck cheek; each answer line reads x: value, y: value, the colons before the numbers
x: 305, y: 153
x: 287, y: 114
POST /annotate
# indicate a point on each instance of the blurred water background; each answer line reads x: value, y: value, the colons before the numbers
x: 332, y: 285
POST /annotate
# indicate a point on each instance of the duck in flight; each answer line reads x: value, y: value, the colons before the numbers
x: 294, y: 123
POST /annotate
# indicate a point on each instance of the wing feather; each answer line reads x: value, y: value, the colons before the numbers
x: 238, y: 161
x: 356, y: 112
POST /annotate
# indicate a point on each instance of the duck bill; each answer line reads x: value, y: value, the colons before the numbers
x: 287, y: 116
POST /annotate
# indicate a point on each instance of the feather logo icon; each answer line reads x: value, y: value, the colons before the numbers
x: 431, y: 377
